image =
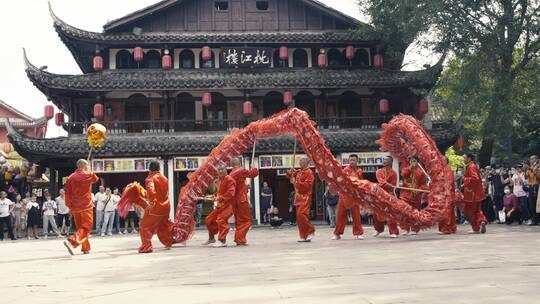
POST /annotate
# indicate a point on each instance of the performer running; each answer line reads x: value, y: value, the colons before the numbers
x: 78, y: 199
x: 302, y: 180
x: 448, y: 224
x: 413, y: 177
x: 241, y: 207
x: 156, y: 214
x: 217, y: 221
x: 348, y: 202
x: 387, y: 179
x: 473, y: 195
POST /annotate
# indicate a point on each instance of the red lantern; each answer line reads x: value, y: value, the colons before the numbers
x: 248, y: 108
x: 378, y: 61
x: 349, y: 52
x: 460, y: 142
x: 207, y: 99
x: 138, y: 54
x: 283, y: 53
x: 59, y: 118
x: 322, y: 60
x: 166, y: 61
x: 423, y: 106
x: 98, y: 63
x: 7, y: 148
x: 48, y: 112
x: 384, y: 105
x: 98, y: 111
x: 287, y: 98
x: 206, y: 53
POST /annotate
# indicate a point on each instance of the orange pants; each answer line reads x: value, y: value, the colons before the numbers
x: 305, y: 228
x: 217, y: 222
x: 151, y: 224
x: 242, y: 216
x: 475, y: 216
x: 341, y: 220
x: 378, y: 224
x: 83, y: 221
x: 415, y: 205
x: 448, y: 223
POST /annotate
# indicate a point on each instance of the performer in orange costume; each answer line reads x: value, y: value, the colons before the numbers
x: 473, y: 195
x: 347, y: 202
x: 78, y: 198
x: 387, y: 179
x: 302, y: 180
x: 448, y: 223
x: 216, y: 221
x: 413, y: 177
x: 241, y: 207
x: 156, y: 215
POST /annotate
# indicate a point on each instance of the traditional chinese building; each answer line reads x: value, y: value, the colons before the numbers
x: 170, y: 80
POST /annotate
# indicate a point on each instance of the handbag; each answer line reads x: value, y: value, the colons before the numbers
x: 502, y: 216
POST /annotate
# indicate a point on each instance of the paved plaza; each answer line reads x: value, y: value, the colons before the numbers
x: 502, y: 266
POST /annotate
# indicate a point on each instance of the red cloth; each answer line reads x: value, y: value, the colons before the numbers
x: 241, y: 207
x: 349, y: 202
x: 78, y: 190
x: 156, y: 219
x: 303, y: 187
x: 386, y: 179
x: 472, y: 184
x: 474, y: 214
x: 413, y: 179
x: 416, y: 205
x: 447, y: 225
x: 83, y: 221
x: 217, y: 221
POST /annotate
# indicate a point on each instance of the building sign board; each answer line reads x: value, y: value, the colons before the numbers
x: 244, y: 57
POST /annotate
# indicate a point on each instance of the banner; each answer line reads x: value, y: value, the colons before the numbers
x: 121, y: 165
x: 242, y: 57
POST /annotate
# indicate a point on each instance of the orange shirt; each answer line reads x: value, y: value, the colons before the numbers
x: 413, y: 179
x: 387, y: 178
x: 239, y: 175
x: 157, y: 193
x: 79, y: 190
x: 473, y: 191
x: 226, y: 191
x: 355, y: 174
x: 303, y: 186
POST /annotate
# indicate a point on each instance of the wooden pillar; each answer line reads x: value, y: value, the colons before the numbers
x: 52, y: 178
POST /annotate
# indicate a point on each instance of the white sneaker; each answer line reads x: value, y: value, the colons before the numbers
x: 109, y: 233
x: 358, y: 237
x: 336, y: 237
x: 68, y: 247
x: 414, y: 233
x: 405, y: 233
x: 46, y: 236
x: 103, y: 234
x: 309, y: 237
x: 208, y: 242
x: 304, y: 241
x: 393, y: 236
x: 120, y: 232
x: 219, y: 244
x: 473, y: 232
x: 376, y: 234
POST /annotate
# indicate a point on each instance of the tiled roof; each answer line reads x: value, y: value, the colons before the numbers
x: 189, y: 144
x: 159, y: 79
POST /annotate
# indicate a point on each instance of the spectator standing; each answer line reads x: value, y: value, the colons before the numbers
x: 6, y: 207
x: 499, y: 180
x: 99, y: 199
x: 267, y: 198
x: 116, y: 213
x: 63, y: 213
x: 518, y: 180
x: 533, y: 174
x: 110, y: 206
x: 511, y: 207
x: 332, y: 200
x: 18, y: 216
x: 49, y: 211
x: 32, y: 218
x: 130, y: 220
x: 292, y: 209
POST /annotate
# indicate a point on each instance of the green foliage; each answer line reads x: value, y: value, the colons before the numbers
x: 455, y: 161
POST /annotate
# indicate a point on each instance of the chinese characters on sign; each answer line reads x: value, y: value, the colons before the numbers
x: 245, y: 57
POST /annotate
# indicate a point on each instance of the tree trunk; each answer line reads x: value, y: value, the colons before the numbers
x: 486, y: 151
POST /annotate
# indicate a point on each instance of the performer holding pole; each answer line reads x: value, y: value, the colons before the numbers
x: 448, y: 224
x: 347, y: 202
x: 473, y: 195
x: 241, y: 206
x: 78, y: 199
x: 387, y: 179
x: 413, y: 177
x: 302, y: 180
x: 217, y: 221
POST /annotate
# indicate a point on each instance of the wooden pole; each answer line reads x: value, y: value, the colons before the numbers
x: 253, y: 153
x: 294, y: 154
x: 412, y: 189
x: 89, y: 154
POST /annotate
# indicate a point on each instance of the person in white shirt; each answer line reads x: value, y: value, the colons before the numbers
x: 110, y: 207
x: 63, y: 213
x: 6, y: 207
x: 99, y: 199
x: 518, y: 180
x: 49, y: 211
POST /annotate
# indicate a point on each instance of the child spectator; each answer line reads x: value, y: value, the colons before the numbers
x: 32, y: 220
x: 49, y: 212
